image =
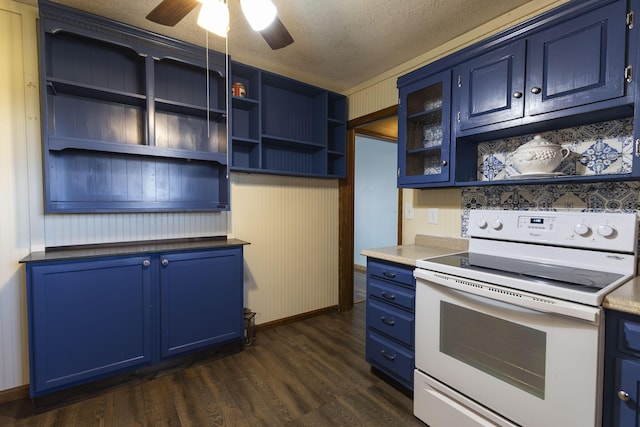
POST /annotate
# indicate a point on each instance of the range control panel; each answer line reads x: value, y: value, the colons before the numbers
x: 593, y: 230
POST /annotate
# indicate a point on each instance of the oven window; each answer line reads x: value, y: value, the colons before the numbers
x: 508, y: 351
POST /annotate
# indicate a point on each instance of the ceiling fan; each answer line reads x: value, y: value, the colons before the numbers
x: 170, y: 12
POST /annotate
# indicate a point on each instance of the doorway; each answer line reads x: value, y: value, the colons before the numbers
x: 381, y: 125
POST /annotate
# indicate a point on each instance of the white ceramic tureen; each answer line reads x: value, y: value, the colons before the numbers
x: 538, y: 156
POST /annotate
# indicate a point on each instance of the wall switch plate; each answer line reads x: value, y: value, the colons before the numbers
x: 432, y: 215
x: 408, y: 211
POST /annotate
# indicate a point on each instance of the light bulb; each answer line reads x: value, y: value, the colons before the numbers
x: 259, y: 13
x: 214, y: 17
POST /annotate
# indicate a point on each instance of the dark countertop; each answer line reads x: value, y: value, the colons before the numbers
x: 130, y: 248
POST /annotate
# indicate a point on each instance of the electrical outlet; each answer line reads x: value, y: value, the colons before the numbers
x: 408, y: 211
x: 432, y: 216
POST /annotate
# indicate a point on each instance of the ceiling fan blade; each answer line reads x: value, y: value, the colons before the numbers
x: 276, y: 35
x: 170, y: 12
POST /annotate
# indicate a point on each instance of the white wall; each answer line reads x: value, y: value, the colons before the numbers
x: 19, y: 148
x: 376, y: 196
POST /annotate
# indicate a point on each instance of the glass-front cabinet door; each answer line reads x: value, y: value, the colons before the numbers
x: 423, y: 131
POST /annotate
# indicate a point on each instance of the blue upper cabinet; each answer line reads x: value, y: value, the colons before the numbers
x: 285, y: 127
x: 128, y: 123
x: 577, y: 63
x: 423, y: 126
x: 491, y: 87
x: 570, y: 67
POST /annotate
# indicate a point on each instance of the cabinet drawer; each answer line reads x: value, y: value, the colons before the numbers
x: 391, y: 322
x: 391, y: 272
x: 390, y: 356
x: 392, y: 294
x: 630, y: 336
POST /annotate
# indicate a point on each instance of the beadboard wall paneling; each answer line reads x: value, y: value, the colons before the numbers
x: 446, y: 200
x: 381, y: 92
x: 291, y: 265
x: 80, y: 229
x: 17, y: 45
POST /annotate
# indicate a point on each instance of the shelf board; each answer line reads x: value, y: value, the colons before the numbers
x: 188, y: 109
x: 244, y: 103
x: 292, y: 143
x: 554, y: 180
x: 421, y: 114
x: 65, y: 87
x: 335, y: 122
x: 61, y: 144
x: 425, y: 150
x: 245, y: 141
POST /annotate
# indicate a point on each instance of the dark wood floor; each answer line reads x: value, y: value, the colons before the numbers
x: 311, y: 372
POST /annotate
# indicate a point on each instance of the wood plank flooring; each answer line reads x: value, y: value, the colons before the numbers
x: 308, y: 373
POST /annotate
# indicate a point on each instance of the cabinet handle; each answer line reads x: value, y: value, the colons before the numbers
x: 387, y: 321
x: 165, y: 261
x: 623, y: 395
x: 536, y: 90
x: 444, y: 163
x: 388, y: 296
x: 387, y: 356
x: 389, y: 275
x: 146, y: 263
x: 517, y: 94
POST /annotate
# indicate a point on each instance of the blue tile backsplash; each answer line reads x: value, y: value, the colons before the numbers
x: 594, y: 149
x: 605, y: 196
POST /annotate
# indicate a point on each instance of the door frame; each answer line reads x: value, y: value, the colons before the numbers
x: 346, y: 205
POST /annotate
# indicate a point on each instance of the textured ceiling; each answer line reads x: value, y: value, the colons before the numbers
x: 338, y: 43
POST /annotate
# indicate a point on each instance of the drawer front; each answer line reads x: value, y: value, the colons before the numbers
x: 392, y: 294
x: 391, y: 321
x: 390, y: 356
x: 392, y: 272
x: 630, y: 341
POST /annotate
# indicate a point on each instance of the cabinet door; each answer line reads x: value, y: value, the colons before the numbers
x: 87, y: 319
x: 626, y: 412
x: 578, y: 62
x: 490, y: 87
x: 201, y: 299
x: 423, y: 131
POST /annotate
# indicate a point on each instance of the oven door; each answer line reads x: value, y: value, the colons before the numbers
x: 501, y: 349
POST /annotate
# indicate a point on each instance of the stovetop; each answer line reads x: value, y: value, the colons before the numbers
x: 574, y: 256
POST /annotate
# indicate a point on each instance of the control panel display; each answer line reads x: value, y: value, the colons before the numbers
x: 538, y: 223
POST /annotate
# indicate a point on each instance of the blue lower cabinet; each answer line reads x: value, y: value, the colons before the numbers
x: 88, y: 319
x: 621, y: 370
x: 201, y: 302
x: 94, y: 317
x: 391, y: 290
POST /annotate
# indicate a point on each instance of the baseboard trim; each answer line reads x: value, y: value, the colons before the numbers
x: 296, y: 318
x: 360, y: 268
x: 13, y: 394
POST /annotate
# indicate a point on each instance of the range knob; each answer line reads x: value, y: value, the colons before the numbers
x: 582, y: 229
x: 496, y: 224
x: 482, y: 223
x: 606, y: 230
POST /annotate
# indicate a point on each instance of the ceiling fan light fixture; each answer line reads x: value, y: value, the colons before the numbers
x: 214, y: 17
x: 259, y: 13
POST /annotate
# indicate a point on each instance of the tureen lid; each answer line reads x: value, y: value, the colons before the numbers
x: 538, y: 141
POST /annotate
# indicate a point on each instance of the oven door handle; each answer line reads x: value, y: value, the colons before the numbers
x: 512, y: 298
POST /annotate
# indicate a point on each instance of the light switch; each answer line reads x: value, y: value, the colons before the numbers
x: 432, y: 216
x: 408, y: 211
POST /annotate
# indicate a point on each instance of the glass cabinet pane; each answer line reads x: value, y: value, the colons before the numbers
x: 425, y: 131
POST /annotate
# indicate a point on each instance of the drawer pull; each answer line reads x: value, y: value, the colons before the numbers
x: 388, y: 356
x: 622, y: 395
x: 387, y: 322
x: 390, y: 297
x: 389, y: 275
